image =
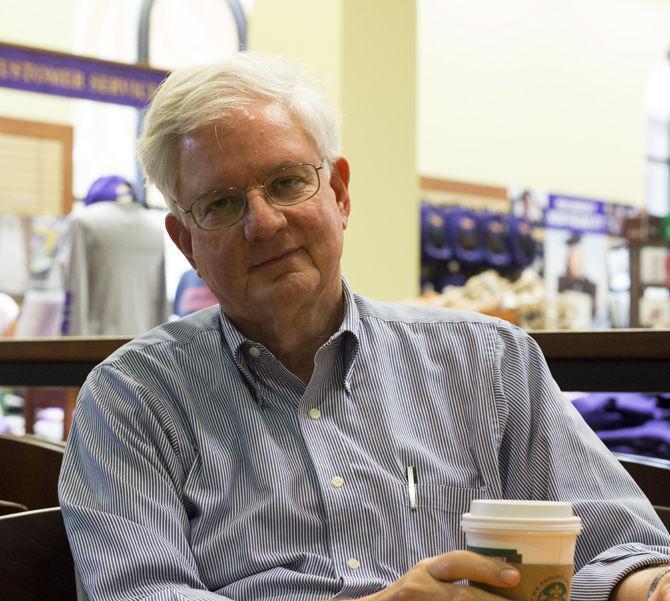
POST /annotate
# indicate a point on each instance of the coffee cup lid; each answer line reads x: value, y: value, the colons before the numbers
x: 541, y: 516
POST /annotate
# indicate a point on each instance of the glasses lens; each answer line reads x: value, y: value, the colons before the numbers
x: 292, y: 184
x: 219, y: 209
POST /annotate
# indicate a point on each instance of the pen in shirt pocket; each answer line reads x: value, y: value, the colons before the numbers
x: 411, y: 486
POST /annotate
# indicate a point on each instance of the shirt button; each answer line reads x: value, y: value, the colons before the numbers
x: 337, y: 482
x: 353, y: 564
x: 347, y: 385
x: 314, y: 413
x: 254, y: 351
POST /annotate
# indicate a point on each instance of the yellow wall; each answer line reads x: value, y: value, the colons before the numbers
x: 545, y: 94
x: 366, y: 50
x: 303, y: 30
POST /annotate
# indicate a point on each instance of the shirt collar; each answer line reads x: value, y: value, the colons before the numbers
x: 238, y: 345
x: 349, y: 331
x: 350, y: 322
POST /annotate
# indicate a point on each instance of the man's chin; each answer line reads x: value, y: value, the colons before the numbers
x: 287, y: 288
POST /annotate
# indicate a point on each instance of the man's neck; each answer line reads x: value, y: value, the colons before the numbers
x: 294, y: 336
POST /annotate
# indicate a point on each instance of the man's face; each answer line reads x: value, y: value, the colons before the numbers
x: 276, y: 258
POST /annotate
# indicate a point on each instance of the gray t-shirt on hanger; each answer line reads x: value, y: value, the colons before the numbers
x: 114, y: 272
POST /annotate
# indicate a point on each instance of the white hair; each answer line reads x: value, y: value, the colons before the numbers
x: 195, y: 96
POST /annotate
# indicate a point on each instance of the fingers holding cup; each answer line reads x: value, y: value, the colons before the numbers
x: 466, y: 565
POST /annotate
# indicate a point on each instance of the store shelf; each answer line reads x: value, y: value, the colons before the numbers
x: 608, y: 360
x: 641, y: 232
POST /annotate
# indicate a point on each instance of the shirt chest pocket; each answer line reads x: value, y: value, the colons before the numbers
x: 435, y: 523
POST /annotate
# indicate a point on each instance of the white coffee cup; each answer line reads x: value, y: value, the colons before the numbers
x: 537, y: 537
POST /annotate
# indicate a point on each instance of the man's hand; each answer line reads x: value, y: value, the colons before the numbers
x: 649, y: 584
x: 661, y: 588
x: 433, y: 579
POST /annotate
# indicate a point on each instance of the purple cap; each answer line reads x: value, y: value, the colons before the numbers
x: 111, y: 188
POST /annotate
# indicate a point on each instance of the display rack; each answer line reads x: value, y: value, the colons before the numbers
x: 642, y: 232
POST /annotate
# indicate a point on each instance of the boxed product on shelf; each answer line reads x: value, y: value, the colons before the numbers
x: 655, y: 312
x: 653, y: 265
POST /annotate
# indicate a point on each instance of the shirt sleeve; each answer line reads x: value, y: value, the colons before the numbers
x: 121, y: 496
x: 548, y: 452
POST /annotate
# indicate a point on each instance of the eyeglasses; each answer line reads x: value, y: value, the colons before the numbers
x: 287, y: 186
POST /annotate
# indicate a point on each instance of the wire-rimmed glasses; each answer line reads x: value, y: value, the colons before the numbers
x: 284, y: 187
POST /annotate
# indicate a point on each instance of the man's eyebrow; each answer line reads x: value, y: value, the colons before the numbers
x: 277, y: 167
x: 213, y: 189
x: 285, y: 164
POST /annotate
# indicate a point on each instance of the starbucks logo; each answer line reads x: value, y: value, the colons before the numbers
x: 555, y: 591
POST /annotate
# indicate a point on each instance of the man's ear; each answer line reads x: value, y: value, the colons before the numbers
x: 339, y: 182
x: 181, y: 236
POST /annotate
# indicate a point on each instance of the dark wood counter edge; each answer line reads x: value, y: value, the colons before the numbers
x: 604, y: 344
x: 59, y: 350
x: 574, y: 345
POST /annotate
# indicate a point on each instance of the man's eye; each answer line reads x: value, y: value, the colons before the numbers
x: 287, y: 187
x: 288, y: 182
x: 220, y: 203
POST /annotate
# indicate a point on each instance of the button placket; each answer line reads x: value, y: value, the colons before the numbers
x: 323, y: 436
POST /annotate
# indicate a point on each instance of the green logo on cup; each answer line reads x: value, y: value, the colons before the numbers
x: 555, y: 591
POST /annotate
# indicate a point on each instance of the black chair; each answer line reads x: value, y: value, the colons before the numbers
x: 653, y: 477
x: 29, y: 469
x: 35, y: 558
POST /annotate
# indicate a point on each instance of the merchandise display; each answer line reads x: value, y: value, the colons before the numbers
x: 114, y: 265
x: 523, y: 301
x: 458, y: 242
x: 581, y: 247
x: 635, y: 423
x: 649, y: 260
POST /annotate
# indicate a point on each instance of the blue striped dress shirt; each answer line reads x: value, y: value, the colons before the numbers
x: 200, y: 468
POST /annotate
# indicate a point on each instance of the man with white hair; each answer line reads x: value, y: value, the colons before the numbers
x: 260, y: 449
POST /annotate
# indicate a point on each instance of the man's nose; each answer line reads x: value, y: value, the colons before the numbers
x: 263, y: 218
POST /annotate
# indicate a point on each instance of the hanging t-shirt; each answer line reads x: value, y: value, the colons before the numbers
x: 114, y: 270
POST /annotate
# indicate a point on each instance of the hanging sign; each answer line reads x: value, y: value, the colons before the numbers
x: 585, y: 215
x: 36, y: 70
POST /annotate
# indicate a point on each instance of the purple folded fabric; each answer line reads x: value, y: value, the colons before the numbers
x: 110, y: 188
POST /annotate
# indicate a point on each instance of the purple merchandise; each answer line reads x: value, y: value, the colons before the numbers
x: 627, y: 422
x: 495, y: 232
x: 435, y: 240
x: 607, y: 411
x: 110, y: 188
x: 464, y: 231
x: 651, y: 438
x: 522, y: 244
x: 5, y: 426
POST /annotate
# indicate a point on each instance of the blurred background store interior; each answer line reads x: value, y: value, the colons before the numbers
x: 508, y: 157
